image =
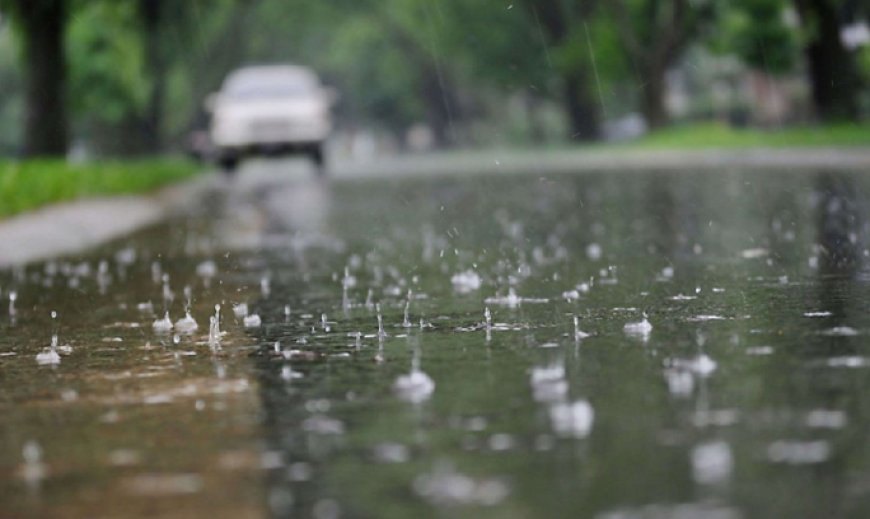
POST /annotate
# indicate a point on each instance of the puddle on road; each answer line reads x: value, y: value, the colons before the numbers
x: 623, y: 345
x: 106, y: 415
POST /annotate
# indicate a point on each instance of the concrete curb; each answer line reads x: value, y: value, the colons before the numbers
x: 73, y: 227
x: 613, y: 160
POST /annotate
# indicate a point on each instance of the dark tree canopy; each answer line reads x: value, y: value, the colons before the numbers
x: 130, y: 77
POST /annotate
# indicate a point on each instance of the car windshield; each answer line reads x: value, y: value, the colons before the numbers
x: 259, y: 86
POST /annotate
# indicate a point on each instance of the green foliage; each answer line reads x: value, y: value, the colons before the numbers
x: 378, y: 89
x: 714, y: 135
x: 864, y: 61
x: 757, y: 31
x: 384, y: 55
x: 29, y: 184
x: 107, y: 77
x: 498, y: 43
x: 595, y: 43
x: 10, y: 90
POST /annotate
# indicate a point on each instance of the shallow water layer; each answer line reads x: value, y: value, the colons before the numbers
x: 611, y: 345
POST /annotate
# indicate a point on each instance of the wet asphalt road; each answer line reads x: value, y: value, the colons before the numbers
x: 717, y: 365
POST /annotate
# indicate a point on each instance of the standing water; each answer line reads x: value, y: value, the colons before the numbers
x: 745, y: 396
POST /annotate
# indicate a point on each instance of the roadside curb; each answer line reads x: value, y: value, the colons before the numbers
x: 614, y: 160
x: 72, y: 227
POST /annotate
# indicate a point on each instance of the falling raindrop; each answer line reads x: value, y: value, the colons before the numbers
x: 168, y: 295
x: 712, y: 463
x: 34, y: 470
x: 13, y: 296
x: 188, y: 294
x: 572, y: 420
x: 207, y: 269
x: 465, y: 282
x: 348, y: 281
x: 156, y: 272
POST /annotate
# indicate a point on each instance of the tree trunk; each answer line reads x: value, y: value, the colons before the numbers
x: 833, y: 75
x: 583, y: 115
x: 441, y: 104
x: 151, y: 12
x: 43, y: 24
x: 531, y: 105
x: 653, y: 103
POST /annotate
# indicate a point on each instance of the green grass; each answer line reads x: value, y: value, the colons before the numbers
x: 712, y: 135
x: 28, y: 184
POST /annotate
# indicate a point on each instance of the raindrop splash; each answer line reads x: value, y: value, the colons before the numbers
x: 162, y: 325
x: 578, y: 333
x: 214, y: 330
x: 640, y: 329
x: 406, y: 321
x: 186, y: 324
x: 381, y: 333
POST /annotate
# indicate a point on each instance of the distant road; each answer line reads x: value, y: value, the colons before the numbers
x: 76, y: 226
x: 609, y: 159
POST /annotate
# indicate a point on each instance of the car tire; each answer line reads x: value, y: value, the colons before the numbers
x: 319, y: 160
x: 228, y: 164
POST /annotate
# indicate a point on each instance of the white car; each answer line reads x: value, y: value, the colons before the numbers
x: 271, y: 109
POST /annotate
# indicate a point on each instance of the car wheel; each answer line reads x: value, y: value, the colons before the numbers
x: 228, y: 164
x: 317, y: 157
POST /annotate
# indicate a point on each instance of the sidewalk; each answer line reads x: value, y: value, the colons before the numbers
x: 73, y: 227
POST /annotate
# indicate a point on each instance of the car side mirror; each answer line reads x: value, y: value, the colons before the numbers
x: 210, y: 102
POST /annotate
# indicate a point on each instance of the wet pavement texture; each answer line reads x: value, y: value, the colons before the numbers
x: 613, y: 345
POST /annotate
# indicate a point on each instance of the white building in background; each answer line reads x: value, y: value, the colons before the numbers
x: 855, y: 35
x: 707, y: 86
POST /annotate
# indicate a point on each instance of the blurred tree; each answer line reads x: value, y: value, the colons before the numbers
x: 654, y: 34
x: 139, y: 70
x: 438, y: 66
x: 394, y: 60
x: 42, y: 25
x: 758, y: 32
x: 187, y: 49
x: 388, y: 91
x: 11, y: 98
x: 151, y: 14
x: 108, y: 83
x: 563, y: 26
x: 836, y: 84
